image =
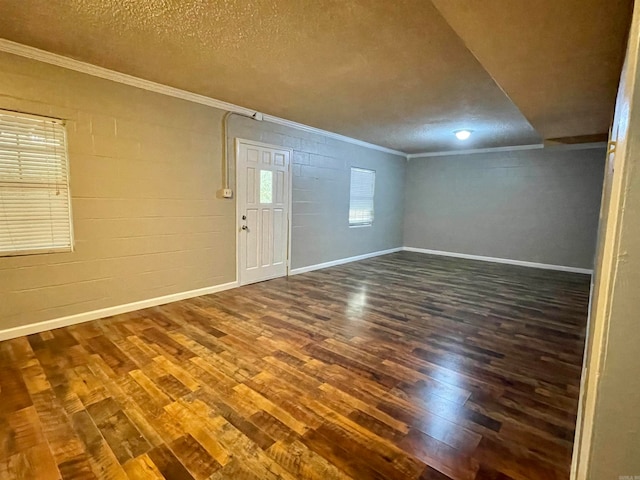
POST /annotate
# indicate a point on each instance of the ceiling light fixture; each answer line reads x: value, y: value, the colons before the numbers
x: 462, y: 134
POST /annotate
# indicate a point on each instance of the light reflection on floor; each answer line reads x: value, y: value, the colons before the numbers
x: 441, y: 425
x: 356, y: 302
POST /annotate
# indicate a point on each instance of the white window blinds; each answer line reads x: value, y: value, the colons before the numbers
x: 35, y: 210
x: 361, y: 196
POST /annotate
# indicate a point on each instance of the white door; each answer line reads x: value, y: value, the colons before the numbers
x: 263, y: 211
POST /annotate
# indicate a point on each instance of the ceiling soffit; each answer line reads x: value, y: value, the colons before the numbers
x: 391, y: 73
x: 559, y: 61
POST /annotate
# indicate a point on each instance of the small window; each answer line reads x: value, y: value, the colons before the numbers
x: 35, y: 206
x: 266, y: 186
x: 363, y: 184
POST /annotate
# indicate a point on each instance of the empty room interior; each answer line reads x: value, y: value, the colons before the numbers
x: 281, y: 239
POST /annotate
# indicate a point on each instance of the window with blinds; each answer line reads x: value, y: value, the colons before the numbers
x: 361, y: 194
x: 35, y: 208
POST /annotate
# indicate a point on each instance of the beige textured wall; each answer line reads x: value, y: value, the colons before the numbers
x: 144, y: 172
x: 145, y: 169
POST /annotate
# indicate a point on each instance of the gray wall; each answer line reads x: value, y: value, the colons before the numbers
x: 321, y: 175
x: 530, y: 205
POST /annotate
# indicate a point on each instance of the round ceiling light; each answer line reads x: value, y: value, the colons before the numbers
x: 463, y: 134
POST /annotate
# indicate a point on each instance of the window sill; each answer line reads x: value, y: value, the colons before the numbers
x: 36, y: 251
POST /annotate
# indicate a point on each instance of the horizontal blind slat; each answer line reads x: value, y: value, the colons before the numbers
x: 34, y: 188
x: 361, y: 196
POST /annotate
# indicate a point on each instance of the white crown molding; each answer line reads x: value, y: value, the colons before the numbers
x: 451, y: 153
x: 508, y: 261
x: 109, y: 311
x: 337, y: 136
x: 100, y: 72
x: 341, y: 261
x: 575, y: 146
x: 33, y: 53
x: 537, y: 146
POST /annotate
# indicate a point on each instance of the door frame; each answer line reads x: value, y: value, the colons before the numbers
x: 238, y: 142
x: 622, y: 140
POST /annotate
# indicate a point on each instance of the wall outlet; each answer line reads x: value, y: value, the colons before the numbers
x: 227, y: 193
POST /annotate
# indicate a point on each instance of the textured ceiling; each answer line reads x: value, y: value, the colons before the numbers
x: 559, y: 61
x: 402, y: 74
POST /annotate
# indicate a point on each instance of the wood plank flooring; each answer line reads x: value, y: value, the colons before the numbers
x: 405, y: 366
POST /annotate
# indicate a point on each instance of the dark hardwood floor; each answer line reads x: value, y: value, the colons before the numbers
x: 405, y: 366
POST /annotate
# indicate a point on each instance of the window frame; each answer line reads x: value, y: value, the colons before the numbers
x: 360, y: 224
x: 66, y: 186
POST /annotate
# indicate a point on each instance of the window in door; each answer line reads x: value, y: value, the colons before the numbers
x: 266, y: 186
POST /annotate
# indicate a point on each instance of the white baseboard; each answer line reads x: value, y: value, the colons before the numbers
x: 508, y: 261
x: 152, y: 302
x: 342, y: 261
x: 109, y: 311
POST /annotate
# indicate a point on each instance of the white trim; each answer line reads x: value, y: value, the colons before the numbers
x: 514, y: 148
x: 100, y: 72
x: 336, y: 136
x: 46, y: 325
x: 341, y: 261
x: 33, y: 53
x: 576, y: 146
x: 289, y: 217
x: 238, y: 142
x: 520, y: 263
x: 451, y: 153
x: 109, y: 311
x: 83, y: 67
x: 508, y: 261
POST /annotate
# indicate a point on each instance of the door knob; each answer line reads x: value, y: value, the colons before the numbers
x: 244, y: 227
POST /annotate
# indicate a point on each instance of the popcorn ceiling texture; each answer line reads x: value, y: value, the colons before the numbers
x: 403, y: 74
x: 390, y: 73
x: 559, y: 61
